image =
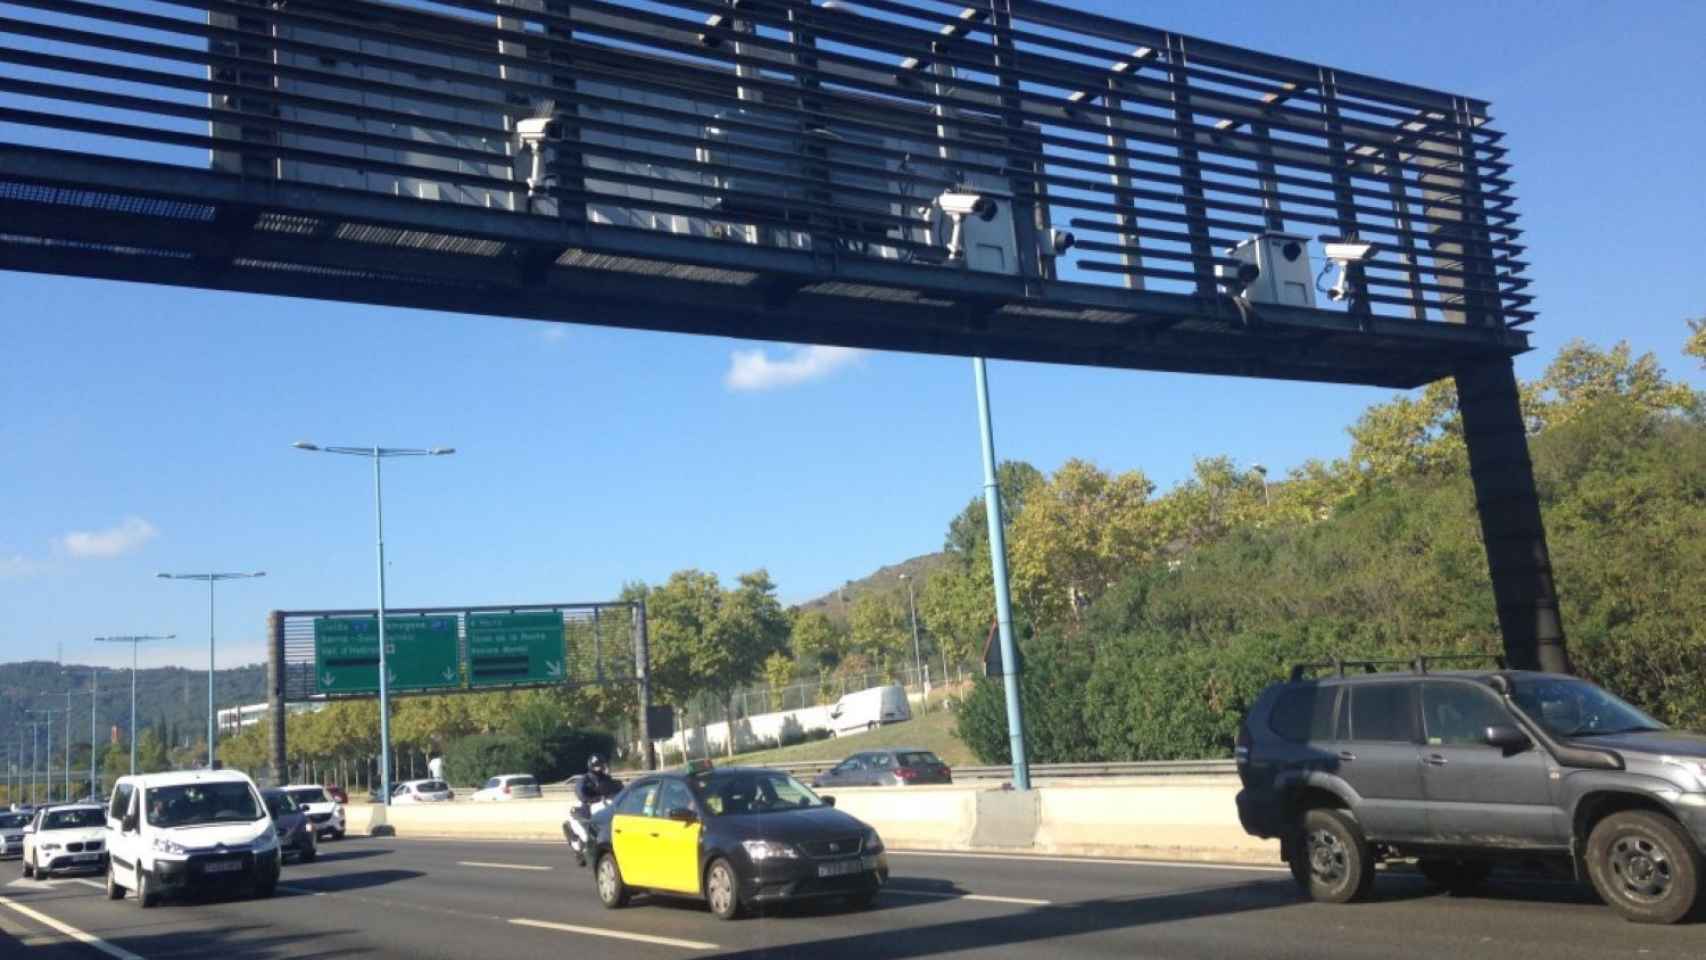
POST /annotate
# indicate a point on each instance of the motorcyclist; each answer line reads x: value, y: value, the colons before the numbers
x: 594, y: 788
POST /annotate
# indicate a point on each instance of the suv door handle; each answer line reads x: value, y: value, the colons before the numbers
x: 1434, y: 760
x: 1346, y: 755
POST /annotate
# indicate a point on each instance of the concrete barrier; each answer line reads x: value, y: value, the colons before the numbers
x: 1178, y: 818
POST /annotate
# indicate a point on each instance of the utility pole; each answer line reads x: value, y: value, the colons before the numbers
x: 998, y: 563
x: 210, y: 579
x: 133, y: 640
x: 917, y: 659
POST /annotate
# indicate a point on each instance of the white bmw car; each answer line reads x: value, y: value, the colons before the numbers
x: 325, y: 813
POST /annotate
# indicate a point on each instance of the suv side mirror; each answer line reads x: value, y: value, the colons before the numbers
x: 828, y: 801
x: 1505, y: 737
x: 129, y: 823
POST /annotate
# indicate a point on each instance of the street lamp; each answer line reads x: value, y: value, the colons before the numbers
x: 917, y: 659
x: 210, y: 579
x: 133, y: 641
x: 35, y: 751
x: 47, y: 751
x: 378, y: 455
x: 1267, y: 499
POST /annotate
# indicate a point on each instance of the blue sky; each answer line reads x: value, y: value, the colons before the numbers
x: 148, y: 429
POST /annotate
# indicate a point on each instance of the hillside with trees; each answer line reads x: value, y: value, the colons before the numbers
x: 1149, y: 625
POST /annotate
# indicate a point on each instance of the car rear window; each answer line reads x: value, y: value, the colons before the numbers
x: 921, y: 758
x: 433, y: 786
x: 523, y: 782
x: 309, y: 795
x: 1383, y: 712
x: 1304, y: 713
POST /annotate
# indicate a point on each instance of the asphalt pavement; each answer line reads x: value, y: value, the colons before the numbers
x: 420, y: 899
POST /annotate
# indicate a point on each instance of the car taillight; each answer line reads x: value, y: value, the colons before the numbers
x: 905, y: 773
x: 506, y: 789
x: 1241, y: 750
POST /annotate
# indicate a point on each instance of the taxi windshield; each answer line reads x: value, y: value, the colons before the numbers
x: 737, y: 792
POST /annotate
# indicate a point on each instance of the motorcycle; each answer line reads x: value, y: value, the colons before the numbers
x: 578, y: 828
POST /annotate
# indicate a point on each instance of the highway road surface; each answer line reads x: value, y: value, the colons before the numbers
x: 422, y: 899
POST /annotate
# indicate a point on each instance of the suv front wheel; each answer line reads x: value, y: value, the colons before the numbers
x: 1331, y: 861
x: 1644, y: 866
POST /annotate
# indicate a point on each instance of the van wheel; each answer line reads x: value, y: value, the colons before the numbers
x: 1644, y: 866
x: 146, y: 898
x: 114, y: 891
x: 1331, y: 860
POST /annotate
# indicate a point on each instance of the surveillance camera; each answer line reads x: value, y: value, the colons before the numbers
x: 1236, y: 280
x: 968, y: 204
x: 1060, y: 241
x: 536, y: 130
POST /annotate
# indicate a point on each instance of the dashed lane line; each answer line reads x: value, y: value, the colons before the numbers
x: 614, y: 934
x: 500, y: 866
x: 89, y: 939
x: 1039, y: 858
x: 981, y: 897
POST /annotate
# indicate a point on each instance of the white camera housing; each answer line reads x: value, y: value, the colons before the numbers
x: 961, y: 204
x: 1281, y: 262
x: 1057, y: 241
x: 536, y: 130
x: 1343, y: 253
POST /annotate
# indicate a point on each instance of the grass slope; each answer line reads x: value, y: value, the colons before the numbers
x: 933, y: 731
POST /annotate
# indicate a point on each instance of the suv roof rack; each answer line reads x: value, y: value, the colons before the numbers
x: 1419, y: 664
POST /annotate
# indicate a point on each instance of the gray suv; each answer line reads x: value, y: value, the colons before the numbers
x: 1464, y: 769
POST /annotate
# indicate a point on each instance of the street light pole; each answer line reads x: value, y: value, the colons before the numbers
x: 133, y: 641
x: 47, y: 751
x: 917, y: 659
x: 94, y: 700
x: 1267, y: 499
x: 210, y: 579
x: 378, y: 454
x: 35, y: 747
x: 998, y: 564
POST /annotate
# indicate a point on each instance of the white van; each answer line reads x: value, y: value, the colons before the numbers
x: 869, y: 709
x: 170, y: 833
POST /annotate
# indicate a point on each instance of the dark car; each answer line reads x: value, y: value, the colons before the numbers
x: 295, y: 830
x: 1463, y: 770
x: 901, y: 766
x: 736, y: 837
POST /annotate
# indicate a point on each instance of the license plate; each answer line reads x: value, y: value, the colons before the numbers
x: 225, y: 866
x: 85, y: 857
x: 843, y: 868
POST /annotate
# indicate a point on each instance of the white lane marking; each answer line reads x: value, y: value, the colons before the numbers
x: 91, y: 883
x: 499, y: 866
x: 116, y: 952
x: 287, y: 888
x: 1181, y: 864
x: 615, y: 934
x: 986, y: 898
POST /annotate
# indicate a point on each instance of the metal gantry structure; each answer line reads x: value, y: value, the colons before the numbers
x: 996, y: 178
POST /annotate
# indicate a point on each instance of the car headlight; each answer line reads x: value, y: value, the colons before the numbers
x: 873, y: 842
x: 769, y: 850
x: 170, y: 848
x: 266, y: 840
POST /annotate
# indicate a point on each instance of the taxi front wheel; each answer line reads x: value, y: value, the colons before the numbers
x: 720, y: 890
x: 612, y: 892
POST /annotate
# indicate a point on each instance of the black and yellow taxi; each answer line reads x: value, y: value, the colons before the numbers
x: 737, y: 837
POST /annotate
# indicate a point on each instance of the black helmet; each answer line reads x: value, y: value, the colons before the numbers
x: 595, y: 764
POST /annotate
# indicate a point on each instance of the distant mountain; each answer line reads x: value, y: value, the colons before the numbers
x: 837, y: 603
x: 171, y: 698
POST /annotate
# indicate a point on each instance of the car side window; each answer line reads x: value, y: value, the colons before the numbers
x: 1383, y: 712
x: 1456, y: 714
x: 674, y: 796
x: 638, y: 800
x: 493, y: 784
x: 1304, y: 713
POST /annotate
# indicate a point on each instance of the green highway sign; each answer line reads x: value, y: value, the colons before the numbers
x: 420, y: 654
x: 506, y: 648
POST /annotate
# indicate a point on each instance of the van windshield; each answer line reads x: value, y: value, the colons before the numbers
x: 192, y: 804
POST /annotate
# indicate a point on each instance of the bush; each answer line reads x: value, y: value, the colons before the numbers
x: 474, y: 759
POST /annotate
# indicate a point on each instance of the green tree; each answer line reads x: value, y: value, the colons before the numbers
x: 958, y: 606
x: 151, y: 753
x: 816, y: 642
x: 1080, y: 533
x: 1409, y: 435
x: 1696, y: 345
x: 968, y: 532
x: 751, y: 626
x: 1582, y: 375
x: 880, y: 628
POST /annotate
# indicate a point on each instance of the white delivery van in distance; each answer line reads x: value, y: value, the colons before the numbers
x: 869, y: 709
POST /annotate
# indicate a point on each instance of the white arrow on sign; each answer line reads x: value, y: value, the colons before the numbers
x: 327, y: 679
x: 391, y: 677
x: 553, y: 668
x: 449, y: 674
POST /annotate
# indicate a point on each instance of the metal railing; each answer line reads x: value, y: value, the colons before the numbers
x: 1058, y: 771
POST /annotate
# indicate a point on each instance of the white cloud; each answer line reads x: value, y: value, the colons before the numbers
x: 751, y: 370
x: 111, y: 542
